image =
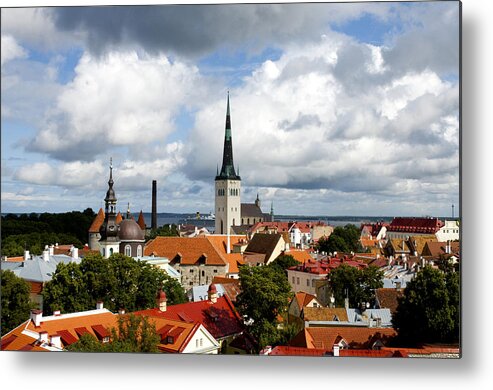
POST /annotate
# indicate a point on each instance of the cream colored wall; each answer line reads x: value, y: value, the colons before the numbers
x: 227, y: 207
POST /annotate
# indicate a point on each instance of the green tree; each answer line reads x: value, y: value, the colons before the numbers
x: 165, y: 230
x: 429, y: 309
x: 66, y: 291
x: 283, y: 262
x: 358, y: 285
x: 265, y: 295
x: 134, y: 334
x: 16, y: 304
x: 119, y: 281
x: 343, y: 239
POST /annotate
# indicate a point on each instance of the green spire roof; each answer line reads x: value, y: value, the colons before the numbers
x: 228, y: 169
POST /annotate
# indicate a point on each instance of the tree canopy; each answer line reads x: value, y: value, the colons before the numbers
x: 343, y: 239
x: 283, y: 262
x: 34, y: 231
x: 358, y: 285
x: 429, y: 310
x: 134, y: 334
x: 265, y: 295
x: 16, y: 304
x: 119, y: 281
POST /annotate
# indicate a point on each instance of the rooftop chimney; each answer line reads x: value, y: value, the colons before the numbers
x: 99, y: 305
x: 27, y: 256
x: 121, y: 311
x: 36, y: 316
x: 161, y: 300
x: 55, y: 341
x: 228, y: 245
x: 56, y: 312
x: 51, y: 250
x: 154, y: 205
x: 212, y: 293
x: 346, y: 303
x: 336, y: 350
x: 46, y: 255
x: 75, y: 252
x: 43, y: 337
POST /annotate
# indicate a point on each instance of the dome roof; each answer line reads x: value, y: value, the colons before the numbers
x: 130, y: 231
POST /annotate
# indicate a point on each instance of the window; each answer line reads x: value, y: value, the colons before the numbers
x: 293, y: 279
x: 111, y: 251
x: 201, y: 342
x: 215, y: 271
x: 307, y: 283
x: 106, y: 339
x: 297, y: 280
x: 203, y: 273
x: 191, y: 270
x: 139, y: 251
x: 128, y: 250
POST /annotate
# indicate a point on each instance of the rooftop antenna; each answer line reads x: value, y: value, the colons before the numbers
x: 452, y: 211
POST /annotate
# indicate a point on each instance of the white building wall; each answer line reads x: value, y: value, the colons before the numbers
x: 227, y: 206
x: 449, y: 232
x: 202, y: 342
x: 304, y: 281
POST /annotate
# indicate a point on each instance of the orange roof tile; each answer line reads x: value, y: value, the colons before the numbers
x: 98, y: 221
x: 299, y: 255
x: 325, y: 314
x: 304, y: 298
x: 220, y: 241
x: 16, y: 259
x: 141, y: 221
x: 185, y: 250
x: 356, y: 337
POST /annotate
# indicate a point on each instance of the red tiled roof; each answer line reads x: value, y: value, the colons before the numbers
x: 100, y: 331
x: 67, y: 337
x: 304, y: 298
x: 185, y: 250
x: 324, y: 265
x: 282, y: 350
x: 98, y: 221
x: 387, y: 298
x: 436, y: 249
x: 220, y: 318
x: 415, y: 225
x: 141, y: 221
x: 16, y: 259
x: 356, y: 337
x: 299, y: 255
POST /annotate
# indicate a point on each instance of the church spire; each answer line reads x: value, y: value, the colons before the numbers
x: 228, y: 169
x: 110, y: 200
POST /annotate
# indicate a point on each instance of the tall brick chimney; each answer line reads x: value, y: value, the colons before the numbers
x: 154, y: 207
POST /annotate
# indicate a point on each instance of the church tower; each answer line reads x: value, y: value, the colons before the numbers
x: 109, y: 242
x: 228, y: 187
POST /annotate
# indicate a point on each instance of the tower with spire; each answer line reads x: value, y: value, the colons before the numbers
x: 227, y: 186
x: 109, y: 242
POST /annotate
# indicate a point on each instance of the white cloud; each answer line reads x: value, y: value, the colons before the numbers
x: 122, y: 99
x: 11, y: 49
x: 297, y: 124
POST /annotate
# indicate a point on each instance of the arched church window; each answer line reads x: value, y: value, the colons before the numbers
x: 139, y: 251
x: 128, y: 250
x: 111, y: 251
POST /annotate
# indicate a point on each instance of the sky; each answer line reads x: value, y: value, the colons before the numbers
x: 336, y: 109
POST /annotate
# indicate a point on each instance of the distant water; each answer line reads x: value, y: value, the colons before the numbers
x: 170, y: 218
